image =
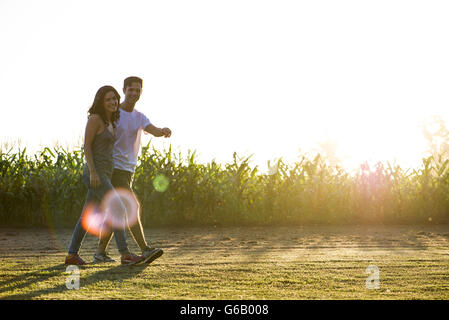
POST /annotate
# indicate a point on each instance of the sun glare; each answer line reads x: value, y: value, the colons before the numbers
x: 252, y: 77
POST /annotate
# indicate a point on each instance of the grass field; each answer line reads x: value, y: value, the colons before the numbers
x: 237, y: 263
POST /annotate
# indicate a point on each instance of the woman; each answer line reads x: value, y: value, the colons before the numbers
x: 98, y: 144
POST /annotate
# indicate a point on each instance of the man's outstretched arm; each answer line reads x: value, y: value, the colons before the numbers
x: 158, y: 132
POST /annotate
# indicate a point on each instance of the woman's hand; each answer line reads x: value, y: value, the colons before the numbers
x: 94, y: 180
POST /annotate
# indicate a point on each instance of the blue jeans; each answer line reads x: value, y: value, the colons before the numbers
x: 94, y: 196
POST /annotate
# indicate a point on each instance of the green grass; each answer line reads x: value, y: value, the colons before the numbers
x: 321, y: 262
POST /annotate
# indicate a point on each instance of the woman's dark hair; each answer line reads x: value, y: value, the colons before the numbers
x: 98, y: 105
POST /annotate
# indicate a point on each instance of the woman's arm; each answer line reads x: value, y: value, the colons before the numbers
x: 92, y: 127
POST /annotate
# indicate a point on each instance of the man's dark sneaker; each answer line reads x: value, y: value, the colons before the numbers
x: 151, y: 254
x: 74, y: 259
x: 131, y: 258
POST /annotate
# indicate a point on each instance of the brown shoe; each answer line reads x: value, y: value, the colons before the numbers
x: 74, y: 259
x: 131, y: 258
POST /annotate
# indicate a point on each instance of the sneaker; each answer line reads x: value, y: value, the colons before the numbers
x: 130, y: 258
x: 74, y: 259
x: 102, y: 257
x: 151, y: 254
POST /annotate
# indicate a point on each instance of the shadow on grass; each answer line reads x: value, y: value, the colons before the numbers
x: 58, y: 273
x: 25, y: 280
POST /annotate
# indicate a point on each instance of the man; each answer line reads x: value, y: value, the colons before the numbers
x: 126, y: 149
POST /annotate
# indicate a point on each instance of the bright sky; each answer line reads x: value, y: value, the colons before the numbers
x: 263, y: 77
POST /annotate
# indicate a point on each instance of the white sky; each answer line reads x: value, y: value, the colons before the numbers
x: 263, y: 77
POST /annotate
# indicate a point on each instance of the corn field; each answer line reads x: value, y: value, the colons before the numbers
x: 46, y: 190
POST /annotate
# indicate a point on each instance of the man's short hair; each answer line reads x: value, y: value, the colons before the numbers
x: 130, y: 80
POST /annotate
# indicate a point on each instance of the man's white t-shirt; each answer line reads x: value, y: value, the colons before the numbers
x: 127, y: 134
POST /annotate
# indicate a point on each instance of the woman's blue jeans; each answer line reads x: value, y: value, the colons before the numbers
x: 94, y: 196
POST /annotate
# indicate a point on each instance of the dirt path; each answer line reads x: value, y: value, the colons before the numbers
x: 41, y: 241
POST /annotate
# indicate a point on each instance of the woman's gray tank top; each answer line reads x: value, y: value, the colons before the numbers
x: 102, y: 153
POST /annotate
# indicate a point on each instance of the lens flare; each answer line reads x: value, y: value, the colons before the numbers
x: 160, y: 183
x: 121, y: 208
x: 93, y: 220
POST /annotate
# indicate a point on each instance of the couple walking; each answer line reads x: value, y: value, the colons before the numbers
x: 111, y: 147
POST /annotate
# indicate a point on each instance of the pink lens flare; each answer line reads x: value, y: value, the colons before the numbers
x: 121, y: 208
x: 93, y: 221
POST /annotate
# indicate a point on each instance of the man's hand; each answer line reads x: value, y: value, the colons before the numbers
x: 158, y: 132
x: 166, y: 132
